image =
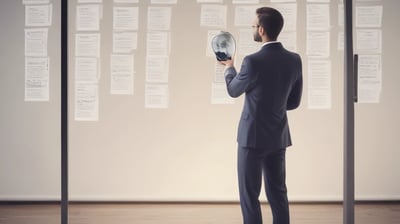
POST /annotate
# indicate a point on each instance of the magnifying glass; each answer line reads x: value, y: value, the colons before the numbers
x: 223, y: 45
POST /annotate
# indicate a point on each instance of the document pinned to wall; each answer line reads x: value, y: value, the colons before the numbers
x: 318, y: 44
x: 124, y: 42
x: 158, y: 43
x: 86, y: 69
x: 125, y: 18
x: 369, y: 40
x: 37, y: 78
x: 157, y: 69
x: 88, y: 17
x: 369, y: 16
x: 87, y: 44
x: 156, y: 95
x: 318, y: 17
x: 319, y: 84
x: 213, y: 15
x: 369, y: 78
x: 36, y: 42
x: 159, y: 18
x: 38, y: 15
x: 86, y: 101
x: 122, y: 74
x: 244, y: 15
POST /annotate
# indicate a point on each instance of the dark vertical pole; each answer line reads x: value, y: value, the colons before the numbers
x: 64, y: 111
x: 348, y: 178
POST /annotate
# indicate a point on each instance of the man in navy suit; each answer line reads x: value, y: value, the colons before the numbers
x: 272, y: 82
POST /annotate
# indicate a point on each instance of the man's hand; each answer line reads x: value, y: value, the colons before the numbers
x: 227, y: 63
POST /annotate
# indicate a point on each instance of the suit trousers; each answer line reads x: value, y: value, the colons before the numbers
x: 253, y: 163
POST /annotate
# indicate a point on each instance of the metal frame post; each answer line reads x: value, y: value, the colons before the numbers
x: 349, y: 83
x: 64, y: 111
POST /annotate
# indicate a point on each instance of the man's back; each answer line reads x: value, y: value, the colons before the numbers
x: 272, y: 80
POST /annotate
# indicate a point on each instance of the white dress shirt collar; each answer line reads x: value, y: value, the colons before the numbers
x: 270, y: 42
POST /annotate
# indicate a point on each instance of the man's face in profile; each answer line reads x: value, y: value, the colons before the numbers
x: 256, y: 34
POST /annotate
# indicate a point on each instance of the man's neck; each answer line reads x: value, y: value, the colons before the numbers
x: 265, y: 39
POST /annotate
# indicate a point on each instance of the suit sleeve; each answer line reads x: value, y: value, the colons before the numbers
x: 239, y: 83
x: 296, y: 92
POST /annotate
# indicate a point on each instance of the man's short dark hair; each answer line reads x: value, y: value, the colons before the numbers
x: 271, y: 20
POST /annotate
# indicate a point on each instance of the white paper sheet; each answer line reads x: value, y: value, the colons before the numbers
x: 126, y: 18
x: 86, y: 69
x: 159, y: 18
x: 244, y: 15
x: 318, y: 17
x: 158, y: 43
x: 369, y: 78
x: 86, y: 101
x: 36, y: 42
x: 369, y: 16
x: 38, y: 15
x: 369, y: 40
x: 88, y: 17
x: 87, y: 44
x: 213, y: 15
x: 157, y: 69
x: 125, y: 42
x: 156, y: 96
x: 319, y: 84
x: 122, y: 74
x: 318, y: 44
x: 37, y: 78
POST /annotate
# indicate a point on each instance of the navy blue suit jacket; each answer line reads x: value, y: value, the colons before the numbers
x: 272, y: 82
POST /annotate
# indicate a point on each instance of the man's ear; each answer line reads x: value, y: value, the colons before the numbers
x: 261, y: 30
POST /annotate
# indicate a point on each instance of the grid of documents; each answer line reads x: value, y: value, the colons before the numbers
x: 127, y: 32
